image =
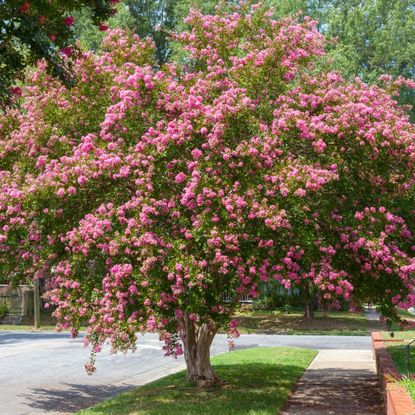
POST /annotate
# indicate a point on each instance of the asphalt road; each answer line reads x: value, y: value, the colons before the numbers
x: 43, y: 373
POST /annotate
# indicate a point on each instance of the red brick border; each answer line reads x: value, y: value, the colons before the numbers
x: 397, y: 399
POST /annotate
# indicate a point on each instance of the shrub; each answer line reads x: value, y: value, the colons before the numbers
x: 4, y: 310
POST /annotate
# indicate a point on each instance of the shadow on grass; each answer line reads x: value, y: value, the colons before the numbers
x: 334, y: 324
x: 256, y: 388
x: 398, y: 353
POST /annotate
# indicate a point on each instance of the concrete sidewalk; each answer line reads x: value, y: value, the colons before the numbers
x: 338, y: 382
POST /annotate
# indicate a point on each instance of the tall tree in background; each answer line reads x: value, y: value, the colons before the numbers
x: 90, y: 36
x: 157, y: 19
x: 31, y: 30
x: 374, y: 37
x: 154, y: 18
x: 147, y: 18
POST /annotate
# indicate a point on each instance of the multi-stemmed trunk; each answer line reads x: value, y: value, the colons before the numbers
x: 309, y: 309
x: 309, y: 299
x: 197, y: 339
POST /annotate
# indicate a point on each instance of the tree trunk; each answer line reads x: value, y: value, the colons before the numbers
x: 197, y: 340
x: 309, y: 309
x: 310, y: 301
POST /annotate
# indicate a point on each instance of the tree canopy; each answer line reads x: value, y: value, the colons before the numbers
x: 157, y: 19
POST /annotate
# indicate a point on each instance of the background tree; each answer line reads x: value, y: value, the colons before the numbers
x: 31, y: 30
x: 154, y: 18
x: 142, y: 194
x: 90, y: 35
x: 374, y: 37
x: 158, y: 19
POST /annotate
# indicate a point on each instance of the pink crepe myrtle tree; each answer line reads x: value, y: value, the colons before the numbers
x: 142, y: 195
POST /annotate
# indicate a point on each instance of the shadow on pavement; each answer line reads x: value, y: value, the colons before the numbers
x: 73, y: 398
x: 336, y: 391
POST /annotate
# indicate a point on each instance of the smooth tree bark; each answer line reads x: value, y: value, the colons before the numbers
x: 309, y: 297
x: 197, y: 339
x: 309, y: 309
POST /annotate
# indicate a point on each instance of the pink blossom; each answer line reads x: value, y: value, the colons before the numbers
x: 68, y: 20
x: 196, y: 154
x: 180, y: 177
x: 61, y: 192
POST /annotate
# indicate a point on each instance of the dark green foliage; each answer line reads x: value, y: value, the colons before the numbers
x: 373, y: 37
x: 274, y: 295
x: 31, y: 30
x: 154, y: 18
x: 157, y: 19
x: 89, y: 35
x: 4, y: 310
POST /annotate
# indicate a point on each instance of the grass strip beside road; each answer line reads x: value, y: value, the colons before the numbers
x: 409, y: 385
x: 398, y: 352
x: 47, y: 323
x: 331, y: 323
x: 269, y: 322
x: 399, y: 335
x: 256, y: 382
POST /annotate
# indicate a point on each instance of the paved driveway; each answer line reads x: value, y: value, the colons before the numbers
x: 42, y: 373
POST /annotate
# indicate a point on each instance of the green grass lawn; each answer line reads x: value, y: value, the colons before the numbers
x: 256, y: 382
x: 406, y: 314
x: 399, y: 331
x: 30, y: 327
x: 331, y: 323
x: 27, y: 323
x: 399, y: 356
x: 398, y: 352
x: 276, y: 321
x: 399, y: 334
x: 47, y: 323
x: 409, y: 384
x: 22, y: 327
